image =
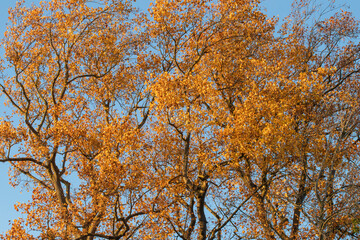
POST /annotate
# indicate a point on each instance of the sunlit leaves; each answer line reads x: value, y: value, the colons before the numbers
x: 193, y: 119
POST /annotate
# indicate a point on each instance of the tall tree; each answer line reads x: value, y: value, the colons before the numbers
x: 194, y: 120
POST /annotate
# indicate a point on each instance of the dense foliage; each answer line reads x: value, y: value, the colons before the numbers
x: 195, y: 119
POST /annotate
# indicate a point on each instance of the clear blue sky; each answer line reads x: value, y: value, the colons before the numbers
x: 10, y: 195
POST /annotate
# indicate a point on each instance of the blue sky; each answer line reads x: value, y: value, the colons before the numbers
x: 9, y: 195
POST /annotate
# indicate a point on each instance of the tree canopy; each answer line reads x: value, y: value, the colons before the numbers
x: 193, y: 119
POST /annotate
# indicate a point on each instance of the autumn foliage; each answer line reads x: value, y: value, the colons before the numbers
x: 193, y: 119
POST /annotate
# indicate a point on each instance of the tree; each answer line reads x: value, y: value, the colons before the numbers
x: 196, y: 120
